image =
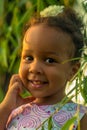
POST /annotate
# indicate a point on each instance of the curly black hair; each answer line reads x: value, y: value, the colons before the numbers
x: 69, y: 22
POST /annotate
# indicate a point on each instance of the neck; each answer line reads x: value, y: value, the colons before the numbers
x: 50, y: 100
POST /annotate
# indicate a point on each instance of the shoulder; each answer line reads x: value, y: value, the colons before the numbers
x: 83, y: 114
x: 83, y: 123
x: 18, y: 111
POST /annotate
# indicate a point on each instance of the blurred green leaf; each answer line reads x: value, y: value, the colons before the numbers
x: 84, y: 3
x: 13, y: 59
x: 1, y: 94
x: 3, y: 54
x: 42, y: 128
x: 52, y: 2
x: 1, y: 7
x: 69, y: 2
x: 40, y: 5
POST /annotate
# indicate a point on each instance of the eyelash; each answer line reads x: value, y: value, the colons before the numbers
x: 47, y: 60
x: 50, y: 60
x: 28, y: 58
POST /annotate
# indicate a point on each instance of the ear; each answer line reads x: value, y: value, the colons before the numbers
x: 74, y: 69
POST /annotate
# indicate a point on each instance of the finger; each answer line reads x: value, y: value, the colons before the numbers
x: 23, y: 101
x: 15, y: 89
x: 15, y: 78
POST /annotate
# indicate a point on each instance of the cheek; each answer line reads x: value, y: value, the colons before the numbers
x: 53, y: 76
x: 23, y: 70
x: 59, y: 77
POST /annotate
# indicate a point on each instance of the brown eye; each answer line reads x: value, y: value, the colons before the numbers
x: 29, y: 58
x: 50, y: 60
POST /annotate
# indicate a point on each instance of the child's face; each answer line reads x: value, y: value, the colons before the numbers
x: 41, y: 68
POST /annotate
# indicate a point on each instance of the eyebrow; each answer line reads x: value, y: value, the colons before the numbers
x: 51, y: 52
x: 45, y: 52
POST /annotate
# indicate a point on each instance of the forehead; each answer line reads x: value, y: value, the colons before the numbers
x: 48, y: 38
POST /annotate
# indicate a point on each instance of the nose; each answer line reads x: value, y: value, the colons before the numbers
x: 36, y: 67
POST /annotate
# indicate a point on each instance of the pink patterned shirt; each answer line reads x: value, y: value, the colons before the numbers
x: 31, y: 116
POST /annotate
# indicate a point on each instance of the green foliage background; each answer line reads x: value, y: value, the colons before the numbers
x: 13, y: 16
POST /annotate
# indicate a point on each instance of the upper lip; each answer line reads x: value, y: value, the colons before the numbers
x: 38, y: 81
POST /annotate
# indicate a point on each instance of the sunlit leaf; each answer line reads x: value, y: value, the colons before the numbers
x: 84, y: 89
x: 50, y: 123
x: 69, y: 123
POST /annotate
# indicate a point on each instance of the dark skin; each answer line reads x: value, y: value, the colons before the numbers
x: 36, y: 65
x: 83, y: 123
x: 5, y: 107
x: 12, y: 99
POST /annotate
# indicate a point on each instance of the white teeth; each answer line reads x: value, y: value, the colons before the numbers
x: 36, y: 82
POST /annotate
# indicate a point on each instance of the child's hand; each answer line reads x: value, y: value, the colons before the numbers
x: 13, y: 99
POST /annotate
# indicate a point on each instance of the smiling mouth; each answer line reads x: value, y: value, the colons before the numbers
x: 38, y: 83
